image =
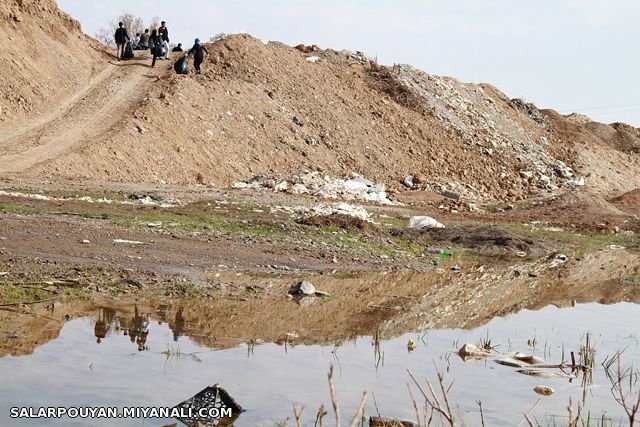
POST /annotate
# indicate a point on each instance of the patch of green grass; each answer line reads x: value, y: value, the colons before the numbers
x: 11, y: 294
x: 9, y: 208
x: 187, y: 289
x: 249, y: 81
x: 201, y: 223
x: 579, y: 240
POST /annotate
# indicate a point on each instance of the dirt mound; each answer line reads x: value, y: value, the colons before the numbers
x: 270, y: 109
x: 344, y: 222
x: 47, y: 58
x: 628, y: 202
x: 487, y: 239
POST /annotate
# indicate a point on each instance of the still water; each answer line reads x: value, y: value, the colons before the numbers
x: 125, y: 358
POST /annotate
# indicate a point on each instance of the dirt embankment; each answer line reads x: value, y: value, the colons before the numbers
x: 45, y: 60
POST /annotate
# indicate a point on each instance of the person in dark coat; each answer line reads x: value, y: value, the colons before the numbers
x: 156, y: 44
x: 177, y: 48
x: 198, y: 50
x: 122, y: 37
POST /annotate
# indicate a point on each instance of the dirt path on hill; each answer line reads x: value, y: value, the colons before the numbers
x: 86, y: 115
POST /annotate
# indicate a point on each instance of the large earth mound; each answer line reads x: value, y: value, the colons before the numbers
x: 267, y: 108
x: 270, y: 109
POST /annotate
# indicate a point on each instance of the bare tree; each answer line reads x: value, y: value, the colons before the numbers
x: 154, y: 23
x: 133, y: 24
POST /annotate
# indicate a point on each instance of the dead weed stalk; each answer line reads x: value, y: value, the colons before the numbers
x: 623, y: 382
x: 434, y: 401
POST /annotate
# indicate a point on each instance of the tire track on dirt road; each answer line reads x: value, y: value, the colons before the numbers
x: 86, y: 115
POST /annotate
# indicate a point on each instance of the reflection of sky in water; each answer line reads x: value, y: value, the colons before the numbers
x: 269, y: 381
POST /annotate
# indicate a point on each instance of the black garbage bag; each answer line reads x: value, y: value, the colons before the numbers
x: 181, y: 65
x: 128, y: 51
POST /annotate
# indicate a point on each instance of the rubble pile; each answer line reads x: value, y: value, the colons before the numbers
x: 316, y: 184
x: 480, y: 116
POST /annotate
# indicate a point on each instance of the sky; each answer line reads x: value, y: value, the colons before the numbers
x: 569, y: 55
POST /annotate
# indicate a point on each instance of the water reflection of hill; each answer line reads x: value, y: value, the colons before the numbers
x: 386, y: 305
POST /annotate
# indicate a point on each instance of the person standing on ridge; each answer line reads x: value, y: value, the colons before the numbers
x: 198, y: 51
x: 156, y: 45
x: 164, y: 33
x: 144, y: 40
x: 121, y: 37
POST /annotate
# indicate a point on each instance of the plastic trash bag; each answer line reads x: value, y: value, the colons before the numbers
x: 181, y: 66
x: 424, y: 222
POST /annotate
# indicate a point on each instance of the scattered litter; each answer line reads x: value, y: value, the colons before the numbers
x: 154, y: 224
x: 313, y: 59
x: 129, y: 242
x: 84, y: 242
x: 326, y: 210
x: 297, y: 121
x: 354, y: 188
x: 411, y: 345
x: 576, y: 182
x: 3, y: 273
x: 89, y: 199
x: 521, y: 254
x: 417, y: 222
x: 544, y: 390
x: 408, y: 181
x: 616, y: 247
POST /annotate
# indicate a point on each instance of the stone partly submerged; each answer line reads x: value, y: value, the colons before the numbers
x: 470, y: 351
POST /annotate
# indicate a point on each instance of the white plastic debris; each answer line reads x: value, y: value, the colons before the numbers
x: 299, y: 189
x: 418, y: 222
x: 313, y: 59
x: 128, y: 242
x: 577, y: 182
x: 355, y: 188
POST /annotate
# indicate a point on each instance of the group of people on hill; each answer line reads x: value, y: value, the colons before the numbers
x: 157, y: 42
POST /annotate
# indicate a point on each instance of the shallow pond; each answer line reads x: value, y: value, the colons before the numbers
x: 159, y: 367
x: 155, y: 364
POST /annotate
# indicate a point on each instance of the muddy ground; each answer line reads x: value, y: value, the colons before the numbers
x: 236, y: 252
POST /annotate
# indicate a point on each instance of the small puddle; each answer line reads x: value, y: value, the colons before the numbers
x: 158, y: 356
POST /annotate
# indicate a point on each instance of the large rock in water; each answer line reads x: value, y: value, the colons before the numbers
x: 302, y: 288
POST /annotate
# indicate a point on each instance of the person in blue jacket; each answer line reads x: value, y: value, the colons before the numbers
x: 198, y: 51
